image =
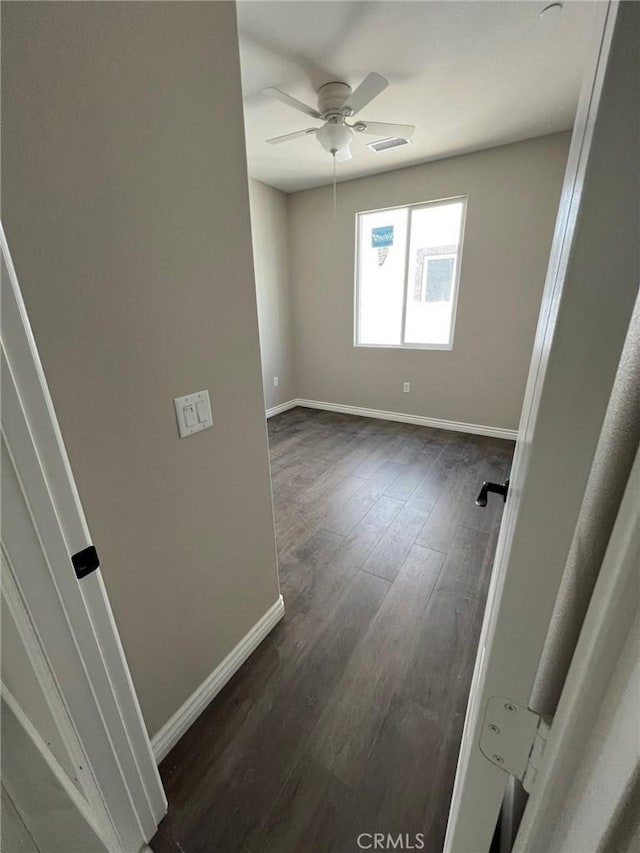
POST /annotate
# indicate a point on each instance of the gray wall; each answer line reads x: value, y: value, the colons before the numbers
x: 126, y: 208
x: 269, y: 225
x: 513, y: 199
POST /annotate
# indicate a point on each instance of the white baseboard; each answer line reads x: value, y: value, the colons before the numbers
x: 283, y: 407
x: 437, y: 423
x: 177, y: 725
x: 382, y: 414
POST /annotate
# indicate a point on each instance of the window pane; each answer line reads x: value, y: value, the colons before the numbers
x: 433, y: 258
x: 382, y: 244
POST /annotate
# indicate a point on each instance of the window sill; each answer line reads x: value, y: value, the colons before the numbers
x: 441, y: 347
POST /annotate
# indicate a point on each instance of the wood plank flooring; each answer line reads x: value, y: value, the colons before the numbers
x: 348, y: 718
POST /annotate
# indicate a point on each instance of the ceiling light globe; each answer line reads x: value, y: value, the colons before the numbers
x: 334, y: 137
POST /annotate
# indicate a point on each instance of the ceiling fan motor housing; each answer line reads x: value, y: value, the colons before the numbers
x: 331, y: 98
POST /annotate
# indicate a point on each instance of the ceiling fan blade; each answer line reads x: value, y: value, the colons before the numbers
x: 291, y: 102
x: 370, y: 88
x: 343, y: 155
x: 295, y: 135
x: 383, y: 128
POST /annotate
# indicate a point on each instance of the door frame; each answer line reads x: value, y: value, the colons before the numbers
x: 612, y: 616
x: 75, y: 622
x: 529, y: 562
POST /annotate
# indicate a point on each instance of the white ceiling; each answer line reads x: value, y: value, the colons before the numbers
x: 469, y: 75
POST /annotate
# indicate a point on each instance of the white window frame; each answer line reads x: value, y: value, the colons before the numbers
x: 455, y: 283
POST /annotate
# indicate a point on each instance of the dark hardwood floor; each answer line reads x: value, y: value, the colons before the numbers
x: 347, y: 719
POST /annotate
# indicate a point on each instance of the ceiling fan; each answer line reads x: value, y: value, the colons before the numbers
x: 336, y: 103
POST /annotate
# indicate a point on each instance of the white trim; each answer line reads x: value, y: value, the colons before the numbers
x: 23, y: 797
x: 423, y: 347
x: 178, y: 724
x: 420, y: 420
x: 281, y: 407
x: 144, y: 783
x: 53, y: 599
x: 35, y: 657
x: 607, y: 628
x: 74, y: 622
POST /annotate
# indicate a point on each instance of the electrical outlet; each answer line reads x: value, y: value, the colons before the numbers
x: 406, y: 387
x: 276, y: 382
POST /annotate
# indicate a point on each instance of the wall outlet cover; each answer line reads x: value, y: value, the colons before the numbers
x: 406, y: 387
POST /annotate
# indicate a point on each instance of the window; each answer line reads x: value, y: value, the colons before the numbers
x: 407, y: 271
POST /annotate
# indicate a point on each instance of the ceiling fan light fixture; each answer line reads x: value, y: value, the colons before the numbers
x: 336, y: 102
x: 334, y: 137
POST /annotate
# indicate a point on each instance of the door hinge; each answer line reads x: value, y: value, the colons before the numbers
x: 514, y: 738
x: 85, y: 561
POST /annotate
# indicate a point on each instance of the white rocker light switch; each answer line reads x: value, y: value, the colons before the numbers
x: 193, y: 413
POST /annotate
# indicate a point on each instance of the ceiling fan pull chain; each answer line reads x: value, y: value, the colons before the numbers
x: 335, y: 206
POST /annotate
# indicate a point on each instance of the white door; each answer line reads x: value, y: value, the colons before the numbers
x: 591, y: 286
x: 77, y: 762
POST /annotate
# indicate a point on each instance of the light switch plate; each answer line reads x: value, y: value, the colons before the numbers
x: 193, y: 413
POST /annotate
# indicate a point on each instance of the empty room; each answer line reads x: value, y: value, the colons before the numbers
x: 320, y: 394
